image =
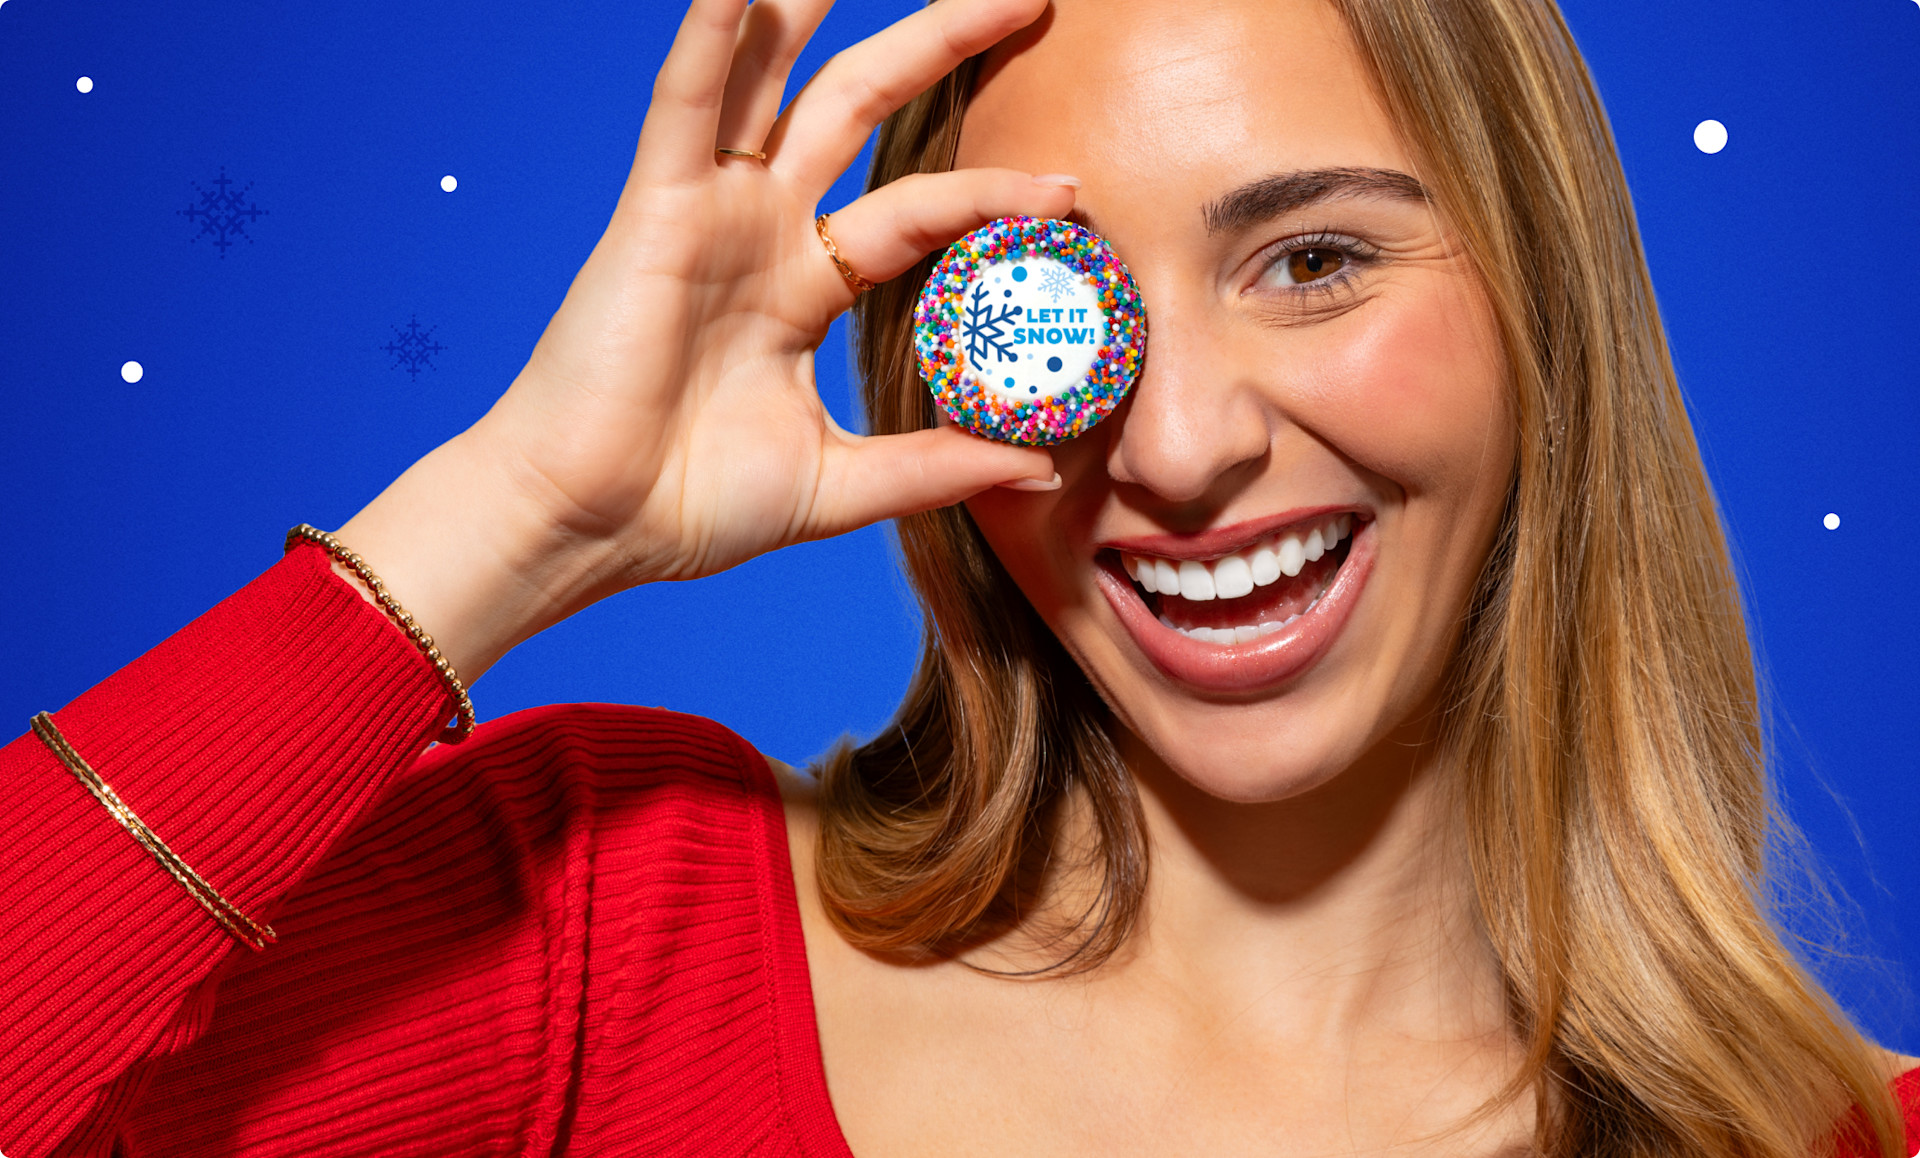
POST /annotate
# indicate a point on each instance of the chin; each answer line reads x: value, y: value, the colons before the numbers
x: 1250, y: 773
x: 1293, y: 741
x: 1244, y: 753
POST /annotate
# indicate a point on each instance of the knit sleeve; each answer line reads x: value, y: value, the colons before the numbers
x: 249, y: 742
x: 1906, y: 1089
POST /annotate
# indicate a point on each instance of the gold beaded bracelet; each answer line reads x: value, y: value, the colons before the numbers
x: 249, y: 932
x: 463, y: 727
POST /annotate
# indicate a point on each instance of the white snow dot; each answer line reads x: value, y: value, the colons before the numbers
x: 1831, y: 522
x: 84, y: 84
x: 1709, y: 136
x: 132, y: 371
x: 448, y: 183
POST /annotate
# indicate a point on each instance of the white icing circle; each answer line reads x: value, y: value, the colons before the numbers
x: 1030, y: 328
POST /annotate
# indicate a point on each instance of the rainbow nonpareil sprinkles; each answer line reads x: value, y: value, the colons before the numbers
x: 1029, y: 331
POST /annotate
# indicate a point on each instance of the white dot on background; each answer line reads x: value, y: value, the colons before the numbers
x: 448, y: 183
x: 84, y: 84
x: 1831, y: 522
x: 132, y: 371
x: 1709, y: 136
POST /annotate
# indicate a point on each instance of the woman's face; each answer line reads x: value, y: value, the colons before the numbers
x: 1310, y: 470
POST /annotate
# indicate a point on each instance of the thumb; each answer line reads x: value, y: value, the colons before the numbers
x: 885, y: 476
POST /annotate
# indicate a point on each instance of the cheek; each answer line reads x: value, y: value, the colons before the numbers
x: 1018, y: 527
x: 1040, y: 537
x: 1414, y: 389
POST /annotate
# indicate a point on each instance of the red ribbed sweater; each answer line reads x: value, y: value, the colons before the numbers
x: 576, y: 933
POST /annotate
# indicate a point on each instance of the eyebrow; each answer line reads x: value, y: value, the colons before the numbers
x: 1282, y: 193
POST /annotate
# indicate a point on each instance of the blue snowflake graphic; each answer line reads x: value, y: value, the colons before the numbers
x: 413, y: 349
x: 223, y: 212
x: 1056, y: 282
x: 985, y: 328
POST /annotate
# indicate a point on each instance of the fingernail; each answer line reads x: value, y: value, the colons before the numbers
x: 1034, y: 484
x: 1057, y: 179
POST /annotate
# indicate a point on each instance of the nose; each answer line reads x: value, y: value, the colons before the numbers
x: 1194, y: 426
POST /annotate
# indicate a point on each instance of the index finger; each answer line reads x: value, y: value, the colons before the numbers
x: 824, y: 128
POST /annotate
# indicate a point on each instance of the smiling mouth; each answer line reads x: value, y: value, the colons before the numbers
x: 1254, y: 592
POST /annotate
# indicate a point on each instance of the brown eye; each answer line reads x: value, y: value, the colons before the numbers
x: 1312, y: 264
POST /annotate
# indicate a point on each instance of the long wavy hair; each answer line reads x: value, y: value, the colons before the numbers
x: 1602, y: 708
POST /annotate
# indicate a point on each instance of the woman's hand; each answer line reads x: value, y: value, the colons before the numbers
x: 667, y: 425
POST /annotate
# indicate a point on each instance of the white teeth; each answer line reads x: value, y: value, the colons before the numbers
x: 1142, y: 572
x: 1293, y: 556
x: 1233, y: 636
x: 1196, y: 581
x: 1266, y: 565
x: 1236, y: 575
x: 1232, y: 577
x: 1165, y: 577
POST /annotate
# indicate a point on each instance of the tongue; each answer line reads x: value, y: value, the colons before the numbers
x: 1274, y: 603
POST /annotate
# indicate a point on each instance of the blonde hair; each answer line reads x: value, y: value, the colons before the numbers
x: 1603, y: 704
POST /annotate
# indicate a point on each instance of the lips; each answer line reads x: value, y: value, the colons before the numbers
x: 1246, y: 619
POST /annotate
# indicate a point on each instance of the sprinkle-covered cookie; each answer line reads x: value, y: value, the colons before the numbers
x: 1029, y: 331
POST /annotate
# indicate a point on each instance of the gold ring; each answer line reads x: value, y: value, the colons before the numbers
x: 754, y: 153
x: 859, y: 284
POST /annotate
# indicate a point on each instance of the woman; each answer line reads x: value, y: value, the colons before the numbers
x: 1462, y: 857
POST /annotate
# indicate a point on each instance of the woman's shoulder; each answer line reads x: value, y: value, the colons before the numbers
x: 614, y: 758
x: 593, y: 890
x: 1905, y: 1075
x: 675, y: 808
x: 677, y: 820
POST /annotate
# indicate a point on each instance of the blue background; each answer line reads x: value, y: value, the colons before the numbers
x: 1785, y: 266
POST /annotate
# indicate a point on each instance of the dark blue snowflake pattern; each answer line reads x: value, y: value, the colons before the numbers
x: 985, y: 328
x: 413, y: 349
x: 223, y: 212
